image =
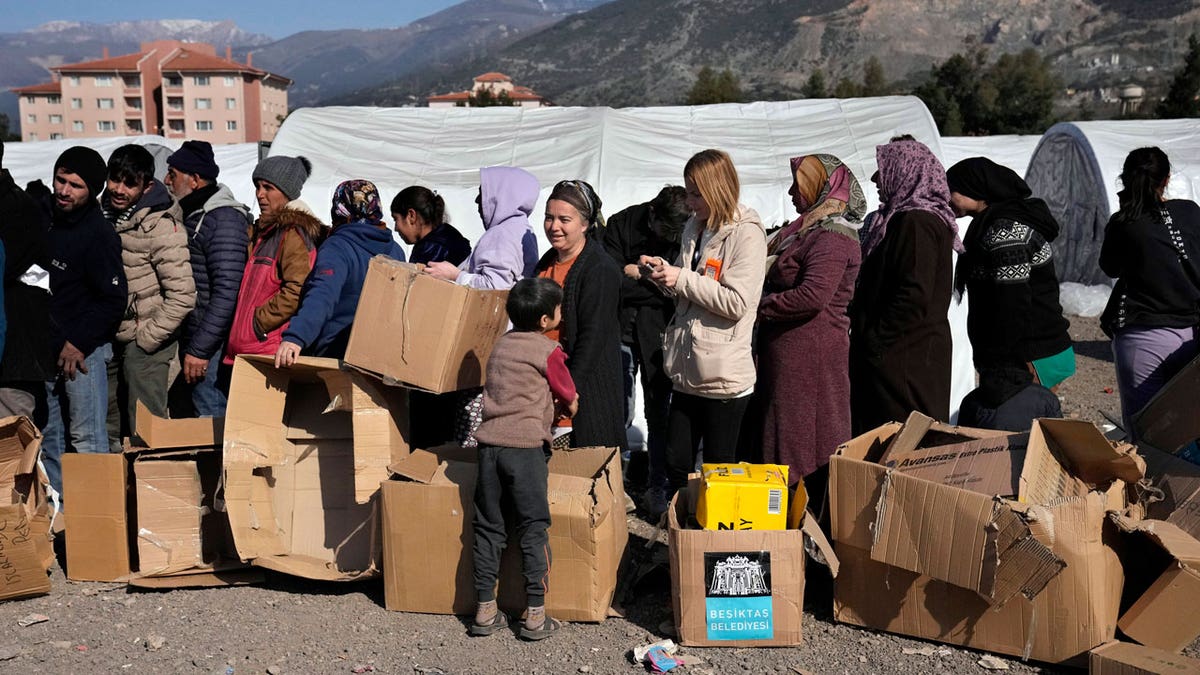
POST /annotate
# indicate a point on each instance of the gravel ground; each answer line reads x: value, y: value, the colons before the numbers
x: 290, y: 625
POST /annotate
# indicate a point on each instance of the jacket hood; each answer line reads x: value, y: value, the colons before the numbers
x: 157, y: 198
x: 224, y: 197
x: 506, y: 193
x: 289, y: 217
x: 365, y: 235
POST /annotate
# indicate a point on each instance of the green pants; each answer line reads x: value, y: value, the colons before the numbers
x: 136, y: 375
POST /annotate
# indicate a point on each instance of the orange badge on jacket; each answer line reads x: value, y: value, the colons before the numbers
x: 712, y: 269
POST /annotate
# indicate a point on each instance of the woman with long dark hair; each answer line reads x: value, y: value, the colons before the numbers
x: 420, y: 215
x: 1152, y: 248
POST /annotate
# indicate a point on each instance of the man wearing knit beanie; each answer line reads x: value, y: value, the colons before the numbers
x: 88, y: 294
x: 195, y: 157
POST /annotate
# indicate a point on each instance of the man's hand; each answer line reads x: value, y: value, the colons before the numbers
x: 70, y: 359
x: 194, y: 368
x: 286, y: 355
x: 442, y: 270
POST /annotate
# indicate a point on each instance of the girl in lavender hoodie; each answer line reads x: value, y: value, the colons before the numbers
x: 506, y: 253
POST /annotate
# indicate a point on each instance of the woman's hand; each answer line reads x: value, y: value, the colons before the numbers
x: 665, y: 275
x: 442, y: 270
x: 286, y: 355
x: 633, y: 271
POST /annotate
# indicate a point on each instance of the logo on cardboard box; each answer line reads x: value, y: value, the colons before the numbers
x: 737, y: 601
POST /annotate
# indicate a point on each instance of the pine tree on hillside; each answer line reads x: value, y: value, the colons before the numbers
x: 815, y: 87
x: 714, y: 87
x: 1181, y: 100
x: 874, y: 80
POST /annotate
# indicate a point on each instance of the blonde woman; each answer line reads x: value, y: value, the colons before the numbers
x: 717, y: 282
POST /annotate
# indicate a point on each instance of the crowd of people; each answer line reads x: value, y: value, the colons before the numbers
x: 124, y: 292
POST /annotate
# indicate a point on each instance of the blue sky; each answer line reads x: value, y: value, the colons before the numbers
x: 277, y: 18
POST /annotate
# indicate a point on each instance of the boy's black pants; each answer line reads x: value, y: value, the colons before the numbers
x: 515, y: 477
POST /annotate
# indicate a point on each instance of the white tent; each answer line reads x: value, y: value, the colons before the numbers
x: 627, y: 154
x: 1011, y: 151
x: 1076, y: 166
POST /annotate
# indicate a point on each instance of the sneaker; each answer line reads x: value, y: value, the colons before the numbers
x: 656, y: 503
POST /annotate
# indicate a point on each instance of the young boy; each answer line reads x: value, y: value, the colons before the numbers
x: 526, y: 377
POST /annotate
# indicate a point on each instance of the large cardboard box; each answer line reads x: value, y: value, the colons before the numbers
x: 25, y: 550
x: 428, y: 510
x: 1163, y: 572
x: 739, y: 588
x: 150, y: 515
x: 1126, y: 658
x: 306, y: 448
x: 1169, y: 421
x: 1032, y: 577
x: 423, y: 332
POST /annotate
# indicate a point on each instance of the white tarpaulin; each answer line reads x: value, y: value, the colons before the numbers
x: 1011, y: 151
x: 1076, y: 166
x: 627, y: 154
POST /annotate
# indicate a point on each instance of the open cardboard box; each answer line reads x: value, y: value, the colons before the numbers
x: 150, y: 515
x: 305, y: 450
x: 740, y: 588
x: 1163, y: 574
x: 1035, y: 577
x: 25, y: 550
x: 1169, y: 422
x: 424, y: 332
x: 428, y: 509
x: 1126, y: 658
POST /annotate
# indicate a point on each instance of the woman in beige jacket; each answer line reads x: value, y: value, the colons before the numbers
x: 717, y: 282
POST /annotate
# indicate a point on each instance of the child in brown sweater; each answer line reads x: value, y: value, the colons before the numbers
x: 527, y: 378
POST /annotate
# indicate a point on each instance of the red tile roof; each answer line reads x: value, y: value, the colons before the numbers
x: 123, y: 62
x: 455, y: 97
x: 43, y: 88
x: 186, y: 60
x: 493, y: 77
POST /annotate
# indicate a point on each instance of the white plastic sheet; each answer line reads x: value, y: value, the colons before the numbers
x: 1012, y: 151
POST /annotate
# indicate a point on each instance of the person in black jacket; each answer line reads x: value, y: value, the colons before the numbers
x: 28, y: 361
x: 651, y: 229
x: 218, y: 228
x: 88, y: 296
x: 420, y: 215
x: 1152, y: 248
x: 1015, y: 322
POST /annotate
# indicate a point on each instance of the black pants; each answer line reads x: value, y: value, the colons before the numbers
x: 716, y: 421
x: 513, y: 477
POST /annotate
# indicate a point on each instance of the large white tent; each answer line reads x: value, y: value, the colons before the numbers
x: 627, y: 154
x: 1076, y: 166
x: 1012, y: 151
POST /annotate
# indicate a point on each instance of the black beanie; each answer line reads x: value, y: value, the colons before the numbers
x: 87, y: 164
x: 195, y: 157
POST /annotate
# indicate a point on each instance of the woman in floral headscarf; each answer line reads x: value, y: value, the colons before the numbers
x: 803, y: 333
x: 321, y: 327
x: 900, y: 343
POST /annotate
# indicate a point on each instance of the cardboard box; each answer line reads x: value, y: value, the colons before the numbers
x: 1177, y: 485
x: 743, y: 497
x: 306, y: 448
x: 1126, y: 658
x: 739, y: 588
x: 428, y: 559
x: 1035, y: 577
x: 149, y: 515
x: 1169, y: 421
x: 25, y: 550
x: 1167, y: 585
x: 990, y: 466
x: 424, y: 332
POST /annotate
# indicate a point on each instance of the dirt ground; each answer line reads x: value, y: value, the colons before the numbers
x: 289, y: 625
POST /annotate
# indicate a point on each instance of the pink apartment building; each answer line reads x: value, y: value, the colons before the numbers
x: 175, y: 89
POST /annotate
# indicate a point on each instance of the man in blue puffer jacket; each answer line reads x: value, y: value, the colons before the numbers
x: 321, y: 327
x: 218, y: 239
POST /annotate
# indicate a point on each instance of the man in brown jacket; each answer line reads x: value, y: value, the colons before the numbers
x: 158, y: 271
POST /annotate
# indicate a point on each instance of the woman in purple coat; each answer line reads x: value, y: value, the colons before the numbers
x: 803, y: 334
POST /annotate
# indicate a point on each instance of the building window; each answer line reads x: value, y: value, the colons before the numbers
x: 203, y: 104
x: 231, y: 104
x: 77, y: 103
x: 174, y: 81
x: 134, y: 125
x: 229, y: 80
x: 200, y: 80
x: 104, y: 103
x: 175, y: 125
x: 77, y: 126
x: 133, y: 81
x: 55, y: 136
x: 56, y: 119
x: 54, y: 99
x: 175, y: 103
x: 31, y: 118
x: 104, y: 80
x: 30, y: 100
x: 204, y: 125
x: 134, y: 102
x: 106, y: 125
x: 230, y: 125
x: 73, y: 80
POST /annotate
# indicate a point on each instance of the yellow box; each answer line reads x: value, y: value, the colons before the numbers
x: 743, y: 497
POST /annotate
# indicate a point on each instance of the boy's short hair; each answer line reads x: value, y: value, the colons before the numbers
x: 131, y: 164
x: 530, y: 300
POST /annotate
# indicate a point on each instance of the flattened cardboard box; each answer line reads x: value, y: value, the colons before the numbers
x: 1178, y: 484
x: 148, y: 516
x: 424, y: 332
x: 1169, y: 421
x: 739, y: 588
x: 25, y: 550
x: 428, y: 559
x: 1036, y: 577
x: 305, y: 451
x: 1126, y: 658
x: 1164, y: 615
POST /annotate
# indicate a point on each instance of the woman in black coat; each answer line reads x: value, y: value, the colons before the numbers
x: 590, y: 331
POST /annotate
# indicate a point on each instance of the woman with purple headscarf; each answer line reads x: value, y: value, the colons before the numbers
x: 900, y: 346
x: 803, y: 328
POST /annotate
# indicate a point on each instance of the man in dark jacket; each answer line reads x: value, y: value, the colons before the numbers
x: 651, y: 229
x: 28, y: 362
x: 87, y: 285
x: 218, y: 238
